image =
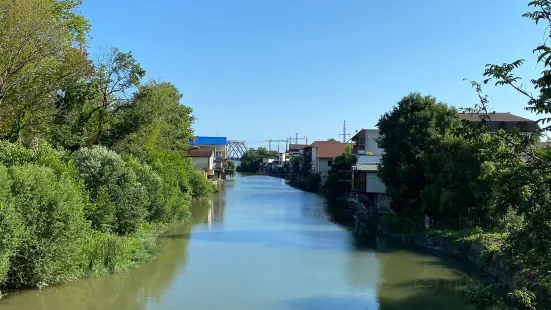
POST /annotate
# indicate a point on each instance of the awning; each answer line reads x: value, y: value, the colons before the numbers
x: 367, y: 159
x: 367, y: 167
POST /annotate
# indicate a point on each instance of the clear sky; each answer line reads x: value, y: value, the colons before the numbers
x: 259, y: 69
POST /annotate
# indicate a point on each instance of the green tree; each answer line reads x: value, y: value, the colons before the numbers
x: 521, y: 178
x: 37, y: 57
x: 115, y: 75
x: 414, y: 124
x: 155, y: 121
x: 251, y: 160
x: 458, y: 168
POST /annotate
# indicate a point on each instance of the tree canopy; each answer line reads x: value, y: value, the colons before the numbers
x: 251, y: 160
x: 415, y: 123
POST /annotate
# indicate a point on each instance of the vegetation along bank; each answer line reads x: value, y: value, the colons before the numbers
x: 92, y: 159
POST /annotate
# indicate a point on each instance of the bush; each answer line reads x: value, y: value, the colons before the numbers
x: 10, y: 224
x: 158, y: 209
x: 14, y: 154
x: 111, y: 184
x: 51, y: 209
x: 314, y: 182
x: 106, y: 253
x: 201, y: 187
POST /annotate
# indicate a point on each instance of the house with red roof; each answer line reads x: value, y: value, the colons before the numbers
x: 320, y: 155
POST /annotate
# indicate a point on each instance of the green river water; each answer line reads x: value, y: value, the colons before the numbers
x: 261, y: 244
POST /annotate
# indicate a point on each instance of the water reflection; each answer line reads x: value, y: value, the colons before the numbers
x: 209, y: 211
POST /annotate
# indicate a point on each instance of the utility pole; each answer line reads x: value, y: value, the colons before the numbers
x: 296, y: 138
x: 344, y: 134
x: 270, y: 145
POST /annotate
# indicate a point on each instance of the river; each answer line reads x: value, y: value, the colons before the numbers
x: 261, y: 244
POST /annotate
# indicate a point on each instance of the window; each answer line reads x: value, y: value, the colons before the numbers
x: 361, y: 143
x: 329, y: 163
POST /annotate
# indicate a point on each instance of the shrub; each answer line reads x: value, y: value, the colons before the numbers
x: 158, y: 209
x: 13, y: 154
x: 201, y: 187
x: 10, y: 224
x: 51, y: 209
x: 314, y: 182
x: 174, y: 170
x: 111, y: 182
x: 106, y: 253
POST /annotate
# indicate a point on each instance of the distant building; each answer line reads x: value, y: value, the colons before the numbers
x: 203, y: 159
x: 219, y: 145
x: 365, y: 143
x: 367, y: 188
x: 322, y: 154
x: 296, y: 150
x: 499, y: 120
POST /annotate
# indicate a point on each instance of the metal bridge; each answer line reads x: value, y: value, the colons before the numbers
x: 235, y: 149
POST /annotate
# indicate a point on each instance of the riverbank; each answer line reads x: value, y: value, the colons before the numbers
x: 480, y: 248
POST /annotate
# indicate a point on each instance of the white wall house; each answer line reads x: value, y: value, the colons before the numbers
x: 365, y: 179
x: 366, y: 142
x: 203, y: 163
x: 203, y: 159
x: 323, y: 154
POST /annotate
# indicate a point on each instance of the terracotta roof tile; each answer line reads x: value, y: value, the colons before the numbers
x: 329, y: 149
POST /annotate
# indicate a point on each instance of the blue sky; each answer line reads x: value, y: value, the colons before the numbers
x: 259, y: 69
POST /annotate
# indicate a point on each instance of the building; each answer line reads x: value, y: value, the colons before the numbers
x: 203, y: 160
x: 220, y: 152
x: 296, y: 151
x: 218, y: 143
x: 367, y: 188
x: 506, y: 121
x: 365, y: 143
x: 321, y: 155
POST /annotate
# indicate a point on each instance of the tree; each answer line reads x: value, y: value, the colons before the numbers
x: 89, y: 110
x: 114, y: 76
x: 522, y: 182
x: 37, y: 57
x: 332, y: 140
x: 458, y: 168
x: 414, y: 124
x: 251, y: 160
x: 155, y: 120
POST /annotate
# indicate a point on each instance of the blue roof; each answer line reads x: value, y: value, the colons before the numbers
x: 209, y: 141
